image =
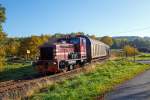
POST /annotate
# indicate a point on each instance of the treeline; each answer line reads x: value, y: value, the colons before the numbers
x: 142, y: 44
x: 18, y: 47
x: 28, y: 47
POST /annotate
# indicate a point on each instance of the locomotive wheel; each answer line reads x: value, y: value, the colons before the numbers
x: 70, y: 67
x: 65, y: 70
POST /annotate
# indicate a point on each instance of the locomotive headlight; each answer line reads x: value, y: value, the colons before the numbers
x: 54, y: 63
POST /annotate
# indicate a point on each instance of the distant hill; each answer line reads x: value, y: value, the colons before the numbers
x: 130, y: 38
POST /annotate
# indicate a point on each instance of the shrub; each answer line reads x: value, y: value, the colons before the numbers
x: 130, y: 51
x: 2, y: 58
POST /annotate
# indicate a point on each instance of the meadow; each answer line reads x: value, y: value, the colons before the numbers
x: 15, y: 71
x: 141, y: 56
x: 87, y: 86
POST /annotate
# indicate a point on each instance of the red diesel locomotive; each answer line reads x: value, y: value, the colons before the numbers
x: 68, y: 53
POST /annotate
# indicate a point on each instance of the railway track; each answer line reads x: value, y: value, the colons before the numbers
x: 15, y: 90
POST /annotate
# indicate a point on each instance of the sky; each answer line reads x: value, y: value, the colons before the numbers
x: 98, y: 17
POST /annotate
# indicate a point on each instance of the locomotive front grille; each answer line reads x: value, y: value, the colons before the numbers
x: 46, y: 53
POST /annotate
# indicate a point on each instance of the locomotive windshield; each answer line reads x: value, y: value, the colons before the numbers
x: 46, y: 53
x: 63, y: 40
x: 75, y: 40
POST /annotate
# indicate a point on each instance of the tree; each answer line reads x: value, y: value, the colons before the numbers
x: 119, y: 43
x: 45, y: 38
x: 2, y: 16
x: 58, y: 35
x: 32, y: 43
x: 12, y: 47
x: 107, y: 40
x: 2, y: 20
x: 93, y: 36
x: 2, y: 58
x: 129, y: 50
x: 2, y: 37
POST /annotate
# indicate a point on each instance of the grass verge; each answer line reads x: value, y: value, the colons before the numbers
x: 16, y: 71
x: 92, y: 84
x: 142, y: 56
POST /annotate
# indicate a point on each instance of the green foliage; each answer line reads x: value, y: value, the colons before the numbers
x: 142, y: 44
x: 107, y: 40
x: 89, y: 85
x: 2, y: 14
x: 2, y: 17
x: 119, y: 43
x: 57, y: 35
x: 77, y: 33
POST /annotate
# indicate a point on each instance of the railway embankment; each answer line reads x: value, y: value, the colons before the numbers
x: 20, y: 89
x: 91, y: 85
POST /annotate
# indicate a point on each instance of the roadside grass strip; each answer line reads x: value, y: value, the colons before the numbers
x: 87, y: 86
x: 16, y: 71
x: 142, y: 56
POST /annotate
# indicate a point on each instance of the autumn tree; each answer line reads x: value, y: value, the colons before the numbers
x: 32, y: 43
x: 45, y: 38
x: 107, y: 40
x: 2, y: 20
x: 93, y: 36
x: 57, y: 35
x: 77, y: 33
x: 12, y: 47
x: 129, y: 50
x: 2, y: 37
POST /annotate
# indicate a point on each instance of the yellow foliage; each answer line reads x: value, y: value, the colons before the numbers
x: 2, y: 58
x: 107, y: 40
x: 32, y: 43
x: 129, y: 50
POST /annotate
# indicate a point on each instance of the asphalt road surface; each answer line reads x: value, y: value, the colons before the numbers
x: 135, y: 89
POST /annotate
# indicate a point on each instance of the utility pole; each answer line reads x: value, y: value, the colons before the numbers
x: 134, y: 52
x: 28, y: 52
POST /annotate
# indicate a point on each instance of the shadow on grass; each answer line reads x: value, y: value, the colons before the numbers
x: 17, y: 73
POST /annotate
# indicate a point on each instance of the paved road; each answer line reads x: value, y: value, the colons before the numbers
x: 135, y: 89
x: 144, y: 61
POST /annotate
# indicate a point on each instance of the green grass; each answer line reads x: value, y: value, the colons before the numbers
x: 14, y: 71
x: 142, y: 56
x: 89, y: 85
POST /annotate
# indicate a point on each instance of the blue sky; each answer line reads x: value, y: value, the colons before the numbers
x: 99, y: 17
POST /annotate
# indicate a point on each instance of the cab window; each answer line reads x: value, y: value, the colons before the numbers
x: 75, y: 40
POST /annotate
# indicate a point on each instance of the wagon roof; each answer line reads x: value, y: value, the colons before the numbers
x: 94, y: 40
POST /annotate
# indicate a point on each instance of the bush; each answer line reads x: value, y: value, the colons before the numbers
x: 2, y: 58
x: 130, y: 51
